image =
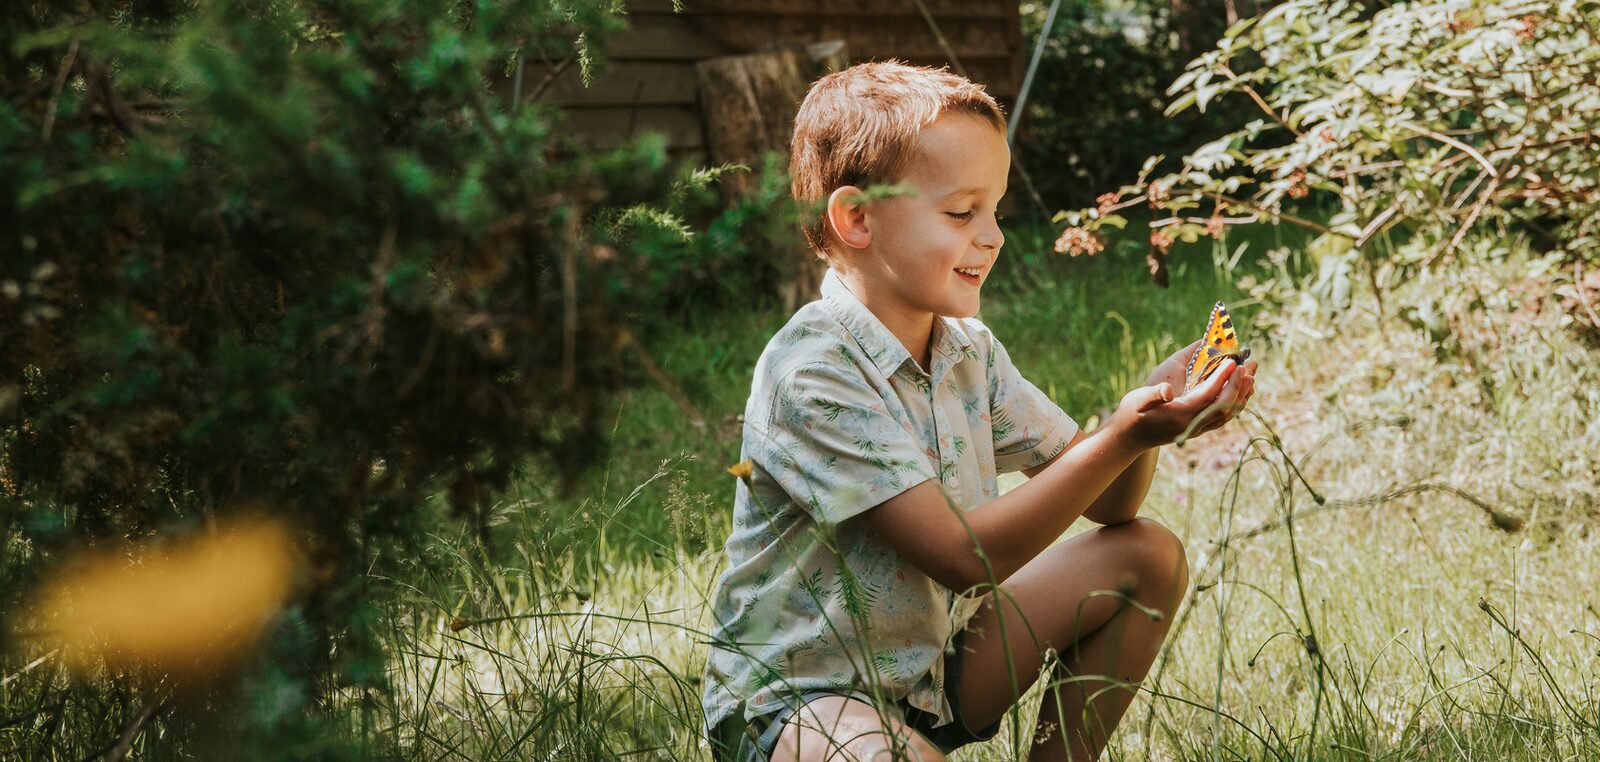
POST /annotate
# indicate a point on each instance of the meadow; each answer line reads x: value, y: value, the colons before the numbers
x: 1392, y: 554
x: 349, y: 267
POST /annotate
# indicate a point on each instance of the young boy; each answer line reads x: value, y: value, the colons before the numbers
x: 882, y: 598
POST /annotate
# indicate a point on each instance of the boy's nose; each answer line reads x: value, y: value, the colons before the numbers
x: 990, y: 237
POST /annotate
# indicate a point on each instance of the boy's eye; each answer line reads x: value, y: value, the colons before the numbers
x: 968, y: 215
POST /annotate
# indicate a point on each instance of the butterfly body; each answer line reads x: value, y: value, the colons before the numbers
x: 1221, y: 343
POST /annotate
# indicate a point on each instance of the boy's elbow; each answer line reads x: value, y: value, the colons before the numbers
x: 958, y: 568
x: 953, y: 577
x: 919, y: 525
x: 967, y: 566
x: 969, y: 571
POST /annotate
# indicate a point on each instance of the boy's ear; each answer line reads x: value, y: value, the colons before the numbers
x: 848, y: 220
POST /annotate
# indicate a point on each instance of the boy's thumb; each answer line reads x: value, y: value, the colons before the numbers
x: 1150, y: 396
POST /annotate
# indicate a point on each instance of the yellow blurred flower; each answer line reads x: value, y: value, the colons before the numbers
x: 181, y: 608
x: 743, y: 469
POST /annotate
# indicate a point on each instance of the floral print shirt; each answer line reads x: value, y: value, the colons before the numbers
x: 840, y: 419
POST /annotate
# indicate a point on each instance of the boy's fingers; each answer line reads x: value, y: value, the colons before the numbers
x: 1243, y: 383
x: 1240, y: 400
x: 1231, y: 399
x: 1208, y: 390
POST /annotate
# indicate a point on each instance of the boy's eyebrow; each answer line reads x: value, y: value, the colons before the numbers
x: 964, y: 191
x: 973, y: 191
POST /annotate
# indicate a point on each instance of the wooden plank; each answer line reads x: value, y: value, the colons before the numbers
x: 666, y: 38
x: 1017, y: 44
x: 652, y: 63
x: 605, y: 126
x: 622, y: 83
x: 696, y: 156
x: 996, y: 9
x: 860, y: 35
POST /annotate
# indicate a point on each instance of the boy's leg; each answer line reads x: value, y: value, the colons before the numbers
x: 842, y: 729
x: 1094, y: 634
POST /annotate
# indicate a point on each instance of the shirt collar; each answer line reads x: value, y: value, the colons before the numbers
x: 881, y: 346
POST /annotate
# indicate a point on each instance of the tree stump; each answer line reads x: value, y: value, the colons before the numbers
x: 748, y: 103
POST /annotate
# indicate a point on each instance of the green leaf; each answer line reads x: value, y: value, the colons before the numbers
x: 1178, y: 106
x: 1240, y: 26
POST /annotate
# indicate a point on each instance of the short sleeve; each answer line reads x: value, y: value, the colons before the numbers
x: 831, y: 444
x: 1029, y: 429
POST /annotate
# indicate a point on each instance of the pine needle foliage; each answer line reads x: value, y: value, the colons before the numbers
x: 328, y: 261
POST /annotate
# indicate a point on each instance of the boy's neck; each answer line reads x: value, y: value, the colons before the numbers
x: 914, y: 328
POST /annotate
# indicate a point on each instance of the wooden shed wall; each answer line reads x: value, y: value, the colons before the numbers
x: 650, y: 83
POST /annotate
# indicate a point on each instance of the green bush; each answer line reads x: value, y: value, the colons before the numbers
x: 714, y: 256
x: 1094, y: 107
x: 328, y: 259
x: 1438, y: 129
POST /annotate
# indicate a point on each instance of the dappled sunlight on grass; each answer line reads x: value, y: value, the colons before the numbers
x: 1436, y: 602
x: 579, y: 651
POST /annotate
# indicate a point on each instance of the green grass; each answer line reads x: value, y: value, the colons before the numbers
x: 1438, y: 634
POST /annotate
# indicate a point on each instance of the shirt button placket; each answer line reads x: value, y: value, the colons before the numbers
x: 946, y: 465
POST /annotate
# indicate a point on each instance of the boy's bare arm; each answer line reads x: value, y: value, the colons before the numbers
x: 1121, y: 500
x: 945, y: 543
x: 1010, y: 529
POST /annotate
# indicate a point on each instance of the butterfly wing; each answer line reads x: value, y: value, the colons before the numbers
x: 1196, y: 363
x: 1221, y: 343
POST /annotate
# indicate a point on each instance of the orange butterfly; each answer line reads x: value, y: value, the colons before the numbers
x: 1220, y: 344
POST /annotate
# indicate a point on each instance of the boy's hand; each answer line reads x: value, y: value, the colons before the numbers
x: 1174, y: 370
x: 1171, y: 371
x: 1156, y: 414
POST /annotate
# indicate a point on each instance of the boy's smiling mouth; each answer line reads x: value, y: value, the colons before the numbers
x: 970, y: 274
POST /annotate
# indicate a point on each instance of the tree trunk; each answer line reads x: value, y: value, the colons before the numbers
x: 748, y: 104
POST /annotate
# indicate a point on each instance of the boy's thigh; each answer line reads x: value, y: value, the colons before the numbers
x: 1066, y: 592
x: 843, y: 729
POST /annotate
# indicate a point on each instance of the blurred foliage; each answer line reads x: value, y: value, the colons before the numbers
x: 1094, y: 107
x: 1441, y: 130
x: 335, y: 262
x: 720, y: 254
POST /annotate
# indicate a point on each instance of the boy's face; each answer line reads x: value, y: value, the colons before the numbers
x: 917, y: 246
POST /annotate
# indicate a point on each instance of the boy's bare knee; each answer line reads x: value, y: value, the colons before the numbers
x: 1156, y: 556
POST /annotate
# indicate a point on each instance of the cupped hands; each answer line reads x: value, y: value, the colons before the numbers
x: 1160, y: 412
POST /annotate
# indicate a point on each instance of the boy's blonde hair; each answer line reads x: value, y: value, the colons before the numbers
x: 859, y: 127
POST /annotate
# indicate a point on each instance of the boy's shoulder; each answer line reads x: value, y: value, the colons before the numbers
x: 813, y: 336
x: 817, y: 338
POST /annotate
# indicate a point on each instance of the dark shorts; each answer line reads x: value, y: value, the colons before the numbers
x: 757, y: 738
